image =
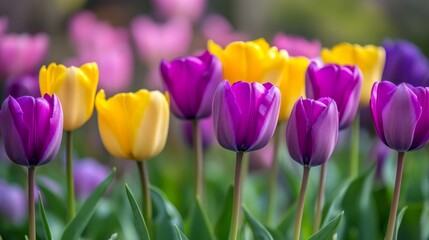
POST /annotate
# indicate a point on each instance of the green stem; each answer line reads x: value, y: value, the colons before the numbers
x: 272, y: 194
x: 354, y: 153
x: 300, y: 210
x: 31, y: 208
x: 237, y: 198
x: 69, y: 169
x: 396, y: 193
x: 146, y: 198
x: 198, y: 149
x: 320, y: 198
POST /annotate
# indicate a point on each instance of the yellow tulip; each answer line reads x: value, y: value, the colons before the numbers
x: 370, y: 59
x: 288, y: 74
x: 243, y: 61
x: 133, y: 125
x: 75, y: 87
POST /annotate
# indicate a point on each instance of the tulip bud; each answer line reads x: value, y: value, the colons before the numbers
x: 312, y: 131
x: 245, y: 115
x: 191, y: 83
x: 341, y: 83
x: 400, y: 115
x: 23, y: 85
x: 32, y: 129
x: 88, y: 174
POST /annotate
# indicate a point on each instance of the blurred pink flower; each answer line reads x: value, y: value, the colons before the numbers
x: 3, y: 24
x: 153, y: 79
x: 21, y: 53
x: 297, y: 46
x: 218, y: 29
x: 261, y: 160
x: 190, y: 9
x: 106, y: 45
x: 156, y: 41
x: 88, y: 174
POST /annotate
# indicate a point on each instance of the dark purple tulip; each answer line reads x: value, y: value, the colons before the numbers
x: 400, y: 115
x: 206, y: 130
x: 245, y: 115
x: 88, y: 174
x: 23, y: 85
x: 405, y: 63
x: 312, y: 131
x: 191, y: 83
x: 341, y: 83
x: 32, y: 129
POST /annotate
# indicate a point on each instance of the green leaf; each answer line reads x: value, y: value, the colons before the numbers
x: 44, y: 218
x: 166, y: 216
x: 180, y: 234
x: 329, y: 230
x: 53, y: 200
x: 200, y: 226
x: 75, y: 228
x: 285, y: 228
x: 139, y: 222
x: 114, y: 236
x: 259, y: 231
x: 224, y: 221
x: 398, y: 221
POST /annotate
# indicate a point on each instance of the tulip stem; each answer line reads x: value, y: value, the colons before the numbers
x: 320, y: 198
x: 272, y: 194
x: 70, y: 182
x: 301, y: 200
x: 146, y: 198
x: 198, y: 149
x: 235, y: 218
x: 354, y: 152
x: 396, y: 193
x: 31, y: 208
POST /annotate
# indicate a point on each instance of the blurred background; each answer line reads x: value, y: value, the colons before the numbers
x: 128, y: 39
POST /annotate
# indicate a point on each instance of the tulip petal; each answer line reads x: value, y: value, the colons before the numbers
x: 400, y: 117
x: 296, y: 132
x: 421, y: 134
x: 380, y: 96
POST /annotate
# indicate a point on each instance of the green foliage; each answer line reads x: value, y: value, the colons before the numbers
x: 200, y: 227
x: 180, y: 234
x: 223, y: 223
x: 329, y: 230
x: 259, y: 231
x: 139, y: 221
x: 48, y: 234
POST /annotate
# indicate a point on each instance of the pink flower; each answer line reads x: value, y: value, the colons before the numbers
x: 297, y: 46
x: 161, y: 41
x: 21, y: 53
x: 190, y: 9
x: 218, y: 29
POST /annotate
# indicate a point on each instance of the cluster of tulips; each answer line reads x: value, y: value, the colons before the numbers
x: 251, y: 90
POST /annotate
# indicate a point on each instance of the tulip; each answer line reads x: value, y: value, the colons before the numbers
x: 21, y: 53
x: 206, y: 132
x: 245, y: 117
x: 341, y: 83
x: 261, y: 160
x: 405, y: 63
x: 190, y: 9
x: 12, y: 203
x: 155, y: 41
x: 218, y: 29
x: 297, y: 46
x: 311, y: 136
x: 191, y: 83
x: 134, y: 126
x: 370, y: 60
x: 75, y: 87
x: 32, y: 130
x: 23, y: 85
x: 88, y: 174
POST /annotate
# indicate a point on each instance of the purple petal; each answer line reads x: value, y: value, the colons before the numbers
x: 296, y: 132
x: 380, y: 94
x: 421, y: 134
x: 399, y: 117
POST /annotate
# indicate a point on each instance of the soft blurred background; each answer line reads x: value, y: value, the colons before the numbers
x: 128, y: 38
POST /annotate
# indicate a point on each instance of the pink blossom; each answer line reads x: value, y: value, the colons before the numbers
x: 218, y: 29
x: 297, y: 46
x: 190, y: 9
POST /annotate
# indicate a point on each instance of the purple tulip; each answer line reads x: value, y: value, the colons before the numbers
x: 312, y: 131
x: 13, y: 202
x: 23, y: 85
x: 341, y: 83
x: 21, y: 53
x: 206, y: 130
x: 405, y: 63
x: 191, y: 83
x: 400, y: 114
x: 32, y: 129
x: 297, y: 46
x: 245, y: 115
x: 88, y: 174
